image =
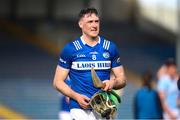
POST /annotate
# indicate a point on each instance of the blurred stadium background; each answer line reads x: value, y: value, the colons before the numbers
x: 32, y: 33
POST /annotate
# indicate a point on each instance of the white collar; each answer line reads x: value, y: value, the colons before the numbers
x: 85, y: 42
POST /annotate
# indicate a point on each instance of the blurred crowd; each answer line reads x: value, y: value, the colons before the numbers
x: 162, y: 99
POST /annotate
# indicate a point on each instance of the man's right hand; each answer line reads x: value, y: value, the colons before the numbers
x: 83, y: 101
x: 172, y: 116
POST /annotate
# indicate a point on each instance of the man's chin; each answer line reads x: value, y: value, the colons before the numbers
x: 94, y: 36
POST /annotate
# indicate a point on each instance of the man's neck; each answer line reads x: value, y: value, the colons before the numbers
x: 90, y: 40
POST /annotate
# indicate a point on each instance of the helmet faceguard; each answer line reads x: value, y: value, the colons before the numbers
x: 105, y: 103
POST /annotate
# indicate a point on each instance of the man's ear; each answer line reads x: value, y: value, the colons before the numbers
x: 80, y: 24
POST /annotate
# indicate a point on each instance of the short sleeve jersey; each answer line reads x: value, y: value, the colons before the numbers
x: 169, y: 87
x: 79, y: 58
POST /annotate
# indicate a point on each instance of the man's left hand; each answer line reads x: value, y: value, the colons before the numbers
x: 108, y: 85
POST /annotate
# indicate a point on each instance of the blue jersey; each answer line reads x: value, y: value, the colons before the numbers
x: 79, y: 58
x: 147, y: 104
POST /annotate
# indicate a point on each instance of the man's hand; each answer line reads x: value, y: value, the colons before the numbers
x: 108, y: 85
x: 83, y: 101
x: 172, y: 116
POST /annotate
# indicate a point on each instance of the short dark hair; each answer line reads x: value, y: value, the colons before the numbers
x: 170, y: 62
x: 87, y: 11
x: 147, y: 78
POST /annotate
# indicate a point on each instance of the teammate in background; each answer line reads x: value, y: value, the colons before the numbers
x: 147, y: 104
x: 168, y: 91
x: 64, y: 110
x: 64, y: 113
x: 76, y: 60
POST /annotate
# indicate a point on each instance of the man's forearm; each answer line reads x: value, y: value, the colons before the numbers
x: 65, y: 89
x: 120, y: 77
x: 119, y: 82
x: 165, y: 107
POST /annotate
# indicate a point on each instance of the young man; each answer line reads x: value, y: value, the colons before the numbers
x: 76, y: 60
x: 168, y: 90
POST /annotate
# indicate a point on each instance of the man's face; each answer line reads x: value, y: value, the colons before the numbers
x: 90, y: 25
x: 172, y: 70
